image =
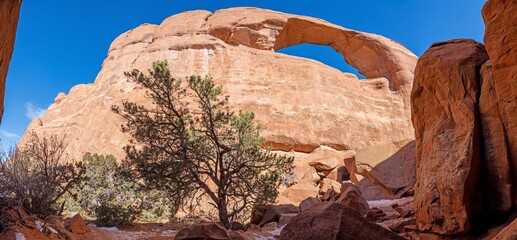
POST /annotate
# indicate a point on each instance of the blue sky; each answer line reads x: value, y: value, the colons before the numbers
x: 60, y: 43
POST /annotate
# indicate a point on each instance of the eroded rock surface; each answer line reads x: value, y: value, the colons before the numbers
x: 449, y: 194
x: 303, y: 104
x: 9, y: 14
x: 501, y: 44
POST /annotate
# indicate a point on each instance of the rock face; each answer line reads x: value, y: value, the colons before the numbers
x: 9, y: 14
x: 501, y: 44
x: 448, y: 192
x: 333, y: 221
x: 303, y: 105
x: 495, y: 145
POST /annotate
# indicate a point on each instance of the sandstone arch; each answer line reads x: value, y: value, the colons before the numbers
x: 373, y: 55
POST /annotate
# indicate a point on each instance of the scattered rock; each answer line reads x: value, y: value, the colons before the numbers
x: 333, y: 221
x: 273, y: 212
x: 77, y: 225
x: 205, y: 231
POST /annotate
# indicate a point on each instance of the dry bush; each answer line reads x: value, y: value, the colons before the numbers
x: 36, y: 176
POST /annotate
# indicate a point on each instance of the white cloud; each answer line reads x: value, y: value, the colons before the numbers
x: 9, y: 134
x: 32, y: 111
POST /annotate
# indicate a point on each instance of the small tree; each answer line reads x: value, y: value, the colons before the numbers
x: 206, y: 148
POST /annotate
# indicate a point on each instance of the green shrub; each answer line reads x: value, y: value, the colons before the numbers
x: 112, y: 199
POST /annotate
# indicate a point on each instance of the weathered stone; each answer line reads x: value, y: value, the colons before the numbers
x: 273, y: 212
x: 449, y: 192
x: 501, y: 44
x: 325, y: 164
x: 301, y: 103
x: 205, y: 231
x: 77, y: 225
x: 300, y: 191
x: 333, y: 221
x: 308, y: 203
x: 9, y: 14
x: 352, y: 198
x: 508, y: 233
x: 495, y: 146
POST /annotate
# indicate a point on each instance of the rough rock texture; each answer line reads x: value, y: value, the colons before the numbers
x: 391, y: 177
x: 77, y: 225
x: 208, y: 231
x: 449, y: 194
x: 497, y: 161
x: 508, y: 233
x: 352, y: 198
x: 333, y: 221
x: 501, y: 44
x: 302, y: 104
x: 9, y: 14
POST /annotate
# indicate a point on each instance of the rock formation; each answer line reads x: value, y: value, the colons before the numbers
x: 9, y: 13
x: 464, y: 100
x: 501, y: 44
x: 449, y: 158
x: 303, y: 105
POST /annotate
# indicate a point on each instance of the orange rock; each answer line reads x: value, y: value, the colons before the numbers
x: 501, y: 44
x: 302, y: 104
x: 300, y: 192
x: 495, y: 145
x: 449, y: 192
x: 9, y: 14
x: 77, y: 225
x: 352, y: 198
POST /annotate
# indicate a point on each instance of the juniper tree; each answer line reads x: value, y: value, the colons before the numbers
x: 190, y: 143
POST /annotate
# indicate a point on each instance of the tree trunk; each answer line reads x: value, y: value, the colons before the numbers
x: 223, y: 213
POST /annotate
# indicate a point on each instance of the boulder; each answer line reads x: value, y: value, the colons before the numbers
x: 257, y: 213
x: 333, y: 221
x: 329, y: 188
x: 501, y: 44
x: 9, y: 14
x: 273, y: 212
x: 449, y: 192
x: 325, y: 164
x: 300, y: 191
x: 204, y: 231
x: 77, y: 225
x: 308, y: 203
x: 352, y: 198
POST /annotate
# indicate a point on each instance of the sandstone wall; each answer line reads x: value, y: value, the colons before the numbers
x: 9, y: 13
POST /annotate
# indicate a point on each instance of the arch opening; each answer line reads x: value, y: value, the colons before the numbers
x: 324, y: 54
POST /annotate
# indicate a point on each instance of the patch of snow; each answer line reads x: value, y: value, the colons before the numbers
x: 277, y: 230
x: 52, y: 230
x: 389, y: 202
x: 108, y: 228
x: 169, y: 233
x: 39, y: 225
x: 19, y: 236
